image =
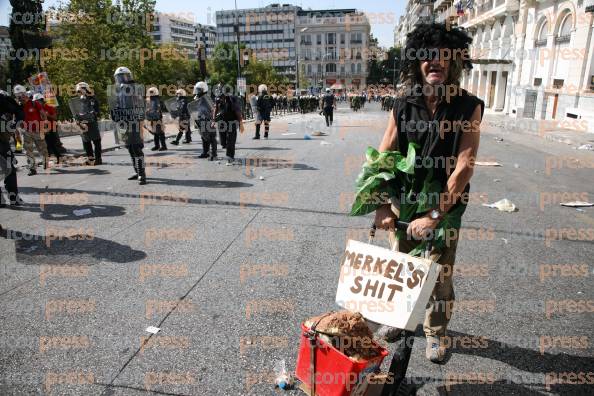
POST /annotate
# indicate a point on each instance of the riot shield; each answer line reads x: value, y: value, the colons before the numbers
x: 153, y: 111
x: 81, y: 109
x: 171, y: 105
x: 126, y: 102
x: 201, y: 113
x: 127, y: 108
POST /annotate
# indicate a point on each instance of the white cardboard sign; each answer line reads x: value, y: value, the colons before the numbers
x: 385, y: 286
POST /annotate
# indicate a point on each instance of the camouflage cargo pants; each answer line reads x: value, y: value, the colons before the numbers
x: 37, y: 140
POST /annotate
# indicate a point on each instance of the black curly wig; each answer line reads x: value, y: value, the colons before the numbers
x: 426, y: 37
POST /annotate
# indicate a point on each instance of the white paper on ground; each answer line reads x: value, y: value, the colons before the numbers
x: 504, y: 205
x: 487, y: 163
x: 152, y: 329
x: 577, y: 204
x: 81, y: 212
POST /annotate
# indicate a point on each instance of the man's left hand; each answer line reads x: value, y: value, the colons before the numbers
x: 422, y: 227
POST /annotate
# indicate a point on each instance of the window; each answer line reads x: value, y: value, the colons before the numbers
x: 330, y: 68
x: 564, y: 35
x: 342, y: 38
x: 331, y: 38
x: 557, y: 84
x: 342, y: 69
x: 319, y: 39
x: 352, y: 68
x: 359, y: 68
x: 356, y: 38
x: 537, y: 82
x: 308, y: 69
x: 541, y: 38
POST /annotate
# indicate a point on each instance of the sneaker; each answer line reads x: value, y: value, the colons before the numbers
x: 98, y: 162
x: 142, y: 181
x: 203, y: 155
x: 154, y: 148
x: 254, y: 138
x: 163, y: 149
x: 230, y: 162
x: 434, y: 350
x: 174, y: 142
x: 32, y: 172
x: 133, y: 177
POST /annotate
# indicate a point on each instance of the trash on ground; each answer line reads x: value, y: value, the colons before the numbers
x: 498, y: 139
x: 283, y: 379
x: 318, y: 133
x: 487, y: 163
x: 261, y: 177
x: 586, y: 147
x: 517, y: 166
x: 289, y: 134
x: 323, y: 143
x: 577, y: 204
x: 152, y: 329
x: 504, y: 205
x: 81, y: 212
x: 504, y: 240
x: 306, y: 137
x: 496, y: 180
x: 346, y: 331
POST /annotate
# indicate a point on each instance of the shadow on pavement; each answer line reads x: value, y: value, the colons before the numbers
x: 85, y: 171
x: 193, y: 201
x: 198, y: 183
x: 65, y: 212
x: 33, y: 249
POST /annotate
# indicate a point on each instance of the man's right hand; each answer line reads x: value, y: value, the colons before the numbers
x: 385, y: 218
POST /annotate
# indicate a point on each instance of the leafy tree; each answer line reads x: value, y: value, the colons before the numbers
x: 383, y: 71
x: 222, y: 66
x: 27, y: 32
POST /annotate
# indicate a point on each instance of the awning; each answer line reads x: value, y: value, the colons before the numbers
x: 337, y: 86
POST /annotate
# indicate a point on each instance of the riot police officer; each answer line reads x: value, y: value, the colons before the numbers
x: 204, y: 118
x: 264, y: 105
x: 154, y: 114
x: 128, y: 108
x: 10, y: 112
x: 88, y: 120
x: 184, y: 118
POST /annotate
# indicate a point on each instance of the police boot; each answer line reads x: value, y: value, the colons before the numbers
x: 141, y: 172
x: 135, y: 165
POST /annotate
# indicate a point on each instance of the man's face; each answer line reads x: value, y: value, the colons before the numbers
x: 435, y: 71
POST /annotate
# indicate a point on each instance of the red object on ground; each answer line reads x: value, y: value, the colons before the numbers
x: 336, y: 373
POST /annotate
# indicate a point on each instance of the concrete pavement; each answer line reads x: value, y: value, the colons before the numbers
x: 227, y: 265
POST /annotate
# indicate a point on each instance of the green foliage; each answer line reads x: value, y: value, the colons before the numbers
x: 381, y: 71
x: 222, y: 66
x: 107, y: 36
x: 261, y: 72
x: 30, y: 36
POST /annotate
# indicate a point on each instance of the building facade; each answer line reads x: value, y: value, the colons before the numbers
x: 333, y: 48
x: 170, y: 29
x: 268, y: 33
x: 5, y: 43
x: 205, y: 37
x: 531, y: 58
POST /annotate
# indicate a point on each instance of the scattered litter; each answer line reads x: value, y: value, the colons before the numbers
x: 504, y: 205
x: 580, y: 210
x: 580, y: 292
x: 289, y: 134
x: 341, y: 328
x: 496, y: 180
x: 487, y: 163
x: 81, y: 212
x: 535, y: 171
x: 261, y: 177
x: 504, y: 240
x: 306, y: 137
x: 577, y: 204
x: 498, y: 139
x: 153, y: 329
x: 586, y: 147
x: 567, y: 141
x: 283, y: 379
x: 517, y: 166
x: 323, y: 143
x: 318, y: 133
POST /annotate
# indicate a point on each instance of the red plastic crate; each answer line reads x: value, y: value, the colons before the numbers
x: 336, y: 374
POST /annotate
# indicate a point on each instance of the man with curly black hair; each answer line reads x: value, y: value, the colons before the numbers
x: 438, y: 119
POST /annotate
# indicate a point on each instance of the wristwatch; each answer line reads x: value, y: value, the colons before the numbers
x: 435, y: 214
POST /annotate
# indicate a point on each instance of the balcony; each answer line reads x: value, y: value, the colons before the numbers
x: 487, y: 11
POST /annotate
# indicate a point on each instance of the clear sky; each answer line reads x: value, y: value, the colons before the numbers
x: 383, y: 14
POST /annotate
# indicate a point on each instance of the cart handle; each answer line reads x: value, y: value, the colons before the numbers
x: 403, y: 226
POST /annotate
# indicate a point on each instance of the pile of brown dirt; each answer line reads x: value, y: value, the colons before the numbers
x: 347, y: 332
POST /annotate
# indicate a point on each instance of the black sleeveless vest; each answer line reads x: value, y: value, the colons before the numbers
x: 437, y: 137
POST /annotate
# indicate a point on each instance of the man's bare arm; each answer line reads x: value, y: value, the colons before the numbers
x: 469, y: 144
x: 390, y: 139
